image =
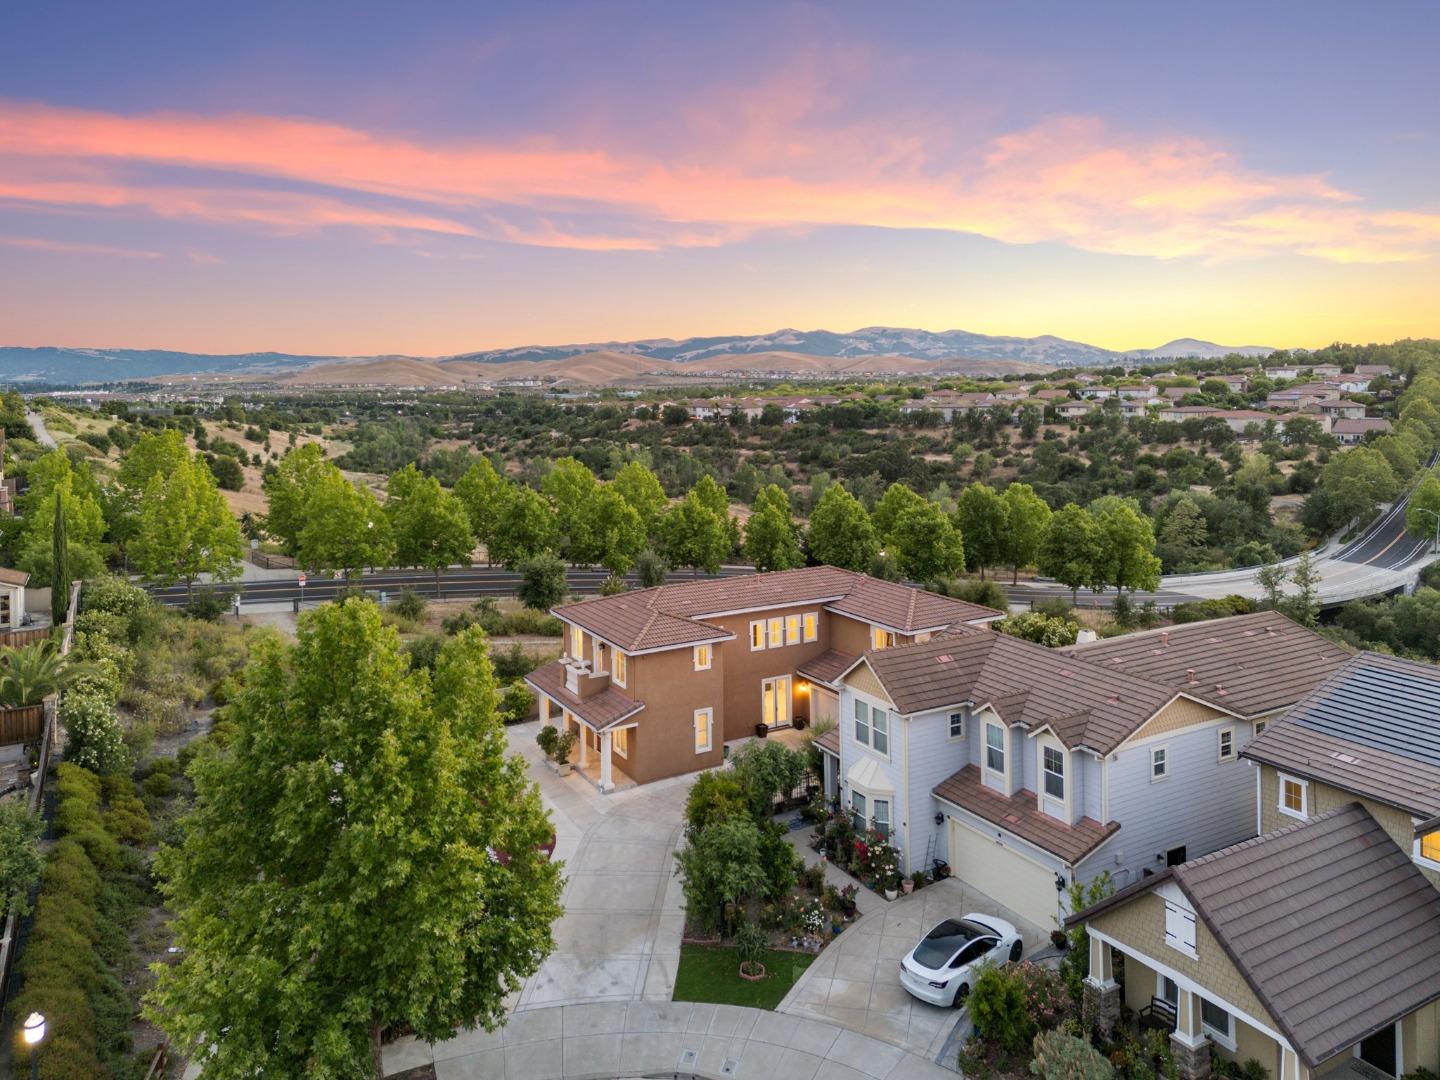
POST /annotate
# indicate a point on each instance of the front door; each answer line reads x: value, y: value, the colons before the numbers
x: 1379, y: 1050
x: 775, y: 701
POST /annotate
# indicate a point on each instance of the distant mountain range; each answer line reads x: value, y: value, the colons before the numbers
x: 60, y: 366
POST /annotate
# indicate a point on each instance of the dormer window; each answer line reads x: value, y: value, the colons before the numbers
x: 1294, y: 797
x: 1053, y: 763
x: 881, y: 639
x: 995, y: 748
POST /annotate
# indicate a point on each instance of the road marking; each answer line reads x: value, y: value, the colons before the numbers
x: 1383, y: 550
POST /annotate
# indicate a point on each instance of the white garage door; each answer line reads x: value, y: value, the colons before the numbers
x: 1010, y: 879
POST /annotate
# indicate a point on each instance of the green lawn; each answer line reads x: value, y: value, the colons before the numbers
x: 712, y: 973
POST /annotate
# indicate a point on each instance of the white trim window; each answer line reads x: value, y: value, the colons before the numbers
x: 1294, y: 797
x: 619, y: 667
x: 704, y: 730
x: 880, y: 731
x: 757, y: 635
x: 703, y: 655
x: 1427, y: 850
x: 792, y: 629
x: 777, y: 632
x: 1180, y: 929
x: 862, y: 722
x: 1159, y: 764
x: 1261, y: 725
x: 995, y: 748
x: 858, y: 810
x: 881, y: 639
x: 957, y: 727
x: 1052, y: 762
x: 577, y: 643
x: 620, y: 742
x: 1217, y: 1023
x: 880, y: 817
x: 810, y: 622
x: 1225, y: 748
x: 869, y: 812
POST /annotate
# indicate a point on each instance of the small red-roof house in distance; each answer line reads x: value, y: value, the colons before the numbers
x: 1348, y: 432
x: 12, y: 599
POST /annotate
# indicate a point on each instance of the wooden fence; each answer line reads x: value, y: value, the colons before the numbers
x: 271, y: 562
x: 13, y: 639
x: 23, y: 724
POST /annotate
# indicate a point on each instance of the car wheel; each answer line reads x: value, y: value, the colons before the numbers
x: 961, y: 994
x: 1015, y: 951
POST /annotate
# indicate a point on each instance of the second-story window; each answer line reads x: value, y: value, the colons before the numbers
x: 957, y: 725
x: 702, y: 657
x: 757, y: 635
x: 880, y: 731
x: 1293, y: 796
x: 1053, y: 760
x: 792, y: 629
x: 1227, y: 744
x: 577, y: 643
x: 995, y: 748
x: 812, y: 625
x: 1159, y: 763
x: 777, y: 632
x: 881, y: 639
x: 619, y: 667
x: 862, y: 722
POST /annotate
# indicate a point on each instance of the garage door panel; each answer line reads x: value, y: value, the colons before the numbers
x: 1009, y: 878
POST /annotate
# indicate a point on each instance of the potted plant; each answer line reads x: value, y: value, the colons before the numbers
x: 913, y: 882
x: 1060, y: 939
x: 546, y: 739
x: 563, y: 745
x: 847, y: 900
x: 750, y: 943
x: 761, y: 731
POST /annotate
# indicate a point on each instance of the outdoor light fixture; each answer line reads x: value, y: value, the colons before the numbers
x: 939, y: 818
x: 33, y: 1033
x: 1059, y: 883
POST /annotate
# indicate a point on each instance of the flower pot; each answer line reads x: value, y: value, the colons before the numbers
x: 563, y: 768
x: 761, y: 731
x: 756, y: 972
x: 1060, y: 939
x: 891, y: 894
x: 835, y: 928
x: 907, y: 886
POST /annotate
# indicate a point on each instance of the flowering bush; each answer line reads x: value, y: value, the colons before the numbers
x: 92, y: 731
x: 877, y: 861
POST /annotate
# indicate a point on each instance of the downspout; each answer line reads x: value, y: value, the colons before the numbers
x: 1258, y: 798
x: 905, y: 792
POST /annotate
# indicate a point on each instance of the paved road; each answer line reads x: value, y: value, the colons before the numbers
x: 42, y: 433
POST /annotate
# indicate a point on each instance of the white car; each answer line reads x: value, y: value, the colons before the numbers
x: 942, y: 968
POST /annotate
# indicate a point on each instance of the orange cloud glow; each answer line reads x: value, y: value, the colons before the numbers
x: 1068, y: 180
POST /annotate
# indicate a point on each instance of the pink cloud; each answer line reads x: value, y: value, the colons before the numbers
x: 1070, y: 180
x: 40, y: 243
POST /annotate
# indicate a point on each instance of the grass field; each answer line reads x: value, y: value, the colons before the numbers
x: 712, y: 973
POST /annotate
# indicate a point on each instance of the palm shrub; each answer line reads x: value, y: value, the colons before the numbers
x: 31, y: 673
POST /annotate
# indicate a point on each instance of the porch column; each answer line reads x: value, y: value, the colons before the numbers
x: 606, y: 784
x: 1190, y: 1047
x: 1101, y: 993
x: 544, y: 710
x: 584, y: 745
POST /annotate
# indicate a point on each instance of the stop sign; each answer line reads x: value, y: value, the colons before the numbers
x: 301, y: 580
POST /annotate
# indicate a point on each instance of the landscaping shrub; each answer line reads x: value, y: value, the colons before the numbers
x: 516, y: 702
x: 997, y: 1007
x: 1058, y: 1056
x: 515, y: 662
x: 410, y: 606
x: 766, y: 771
x: 532, y: 623
x: 20, y: 861
x: 720, y: 869
x: 1047, y: 630
x: 1218, y: 608
x: 424, y: 650
x: 92, y: 731
x: 715, y: 796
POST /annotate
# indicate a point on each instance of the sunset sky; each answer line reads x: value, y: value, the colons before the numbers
x: 432, y: 178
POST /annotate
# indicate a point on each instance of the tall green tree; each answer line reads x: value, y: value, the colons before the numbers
x: 614, y: 533
x: 357, y: 811
x: 1072, y: 549
x: 983, y: 519
x: 695, y: 535
x: 570, y: 486
x: 640, y: 487
x: 430, y: 525
x: 60, y: 579
x: 483, y: 491
x: 155, y: 452
x: 897, y: 499
x: 346, y: 528
x: 841, y: 532
x: 1127, y: 543
x: 526, y: 528
x: 186, y: 529
x: 1422, y: 516
x: 772, y: 539
x: 290, y: 490
x: 53, y: 476
x: 1027, y: 517
x: 925, y: 543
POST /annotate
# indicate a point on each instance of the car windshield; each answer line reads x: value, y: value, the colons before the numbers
x: 946, y: 940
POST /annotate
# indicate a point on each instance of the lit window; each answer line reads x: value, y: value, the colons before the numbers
x: 812, y: 625
x: 1292, y: 796
x: 880, y: 731
x: 792, y: 629
x: 881, y: 639
x: 704, y: 730
x: 1430, y: 847
x: 619, y: 666
x: 702, y: 657
x: 862, y: 722
x: 777, y: 632
x: 1159, y: 764
x: 620, y: 742
x: 995, y: 748
x: 1054, y: 761
x: 1179, y: 928
x: 577, y: 642
x: 1227, y: 744
x: 757, y: 636
x: 957, y: 725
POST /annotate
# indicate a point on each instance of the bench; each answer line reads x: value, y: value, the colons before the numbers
x: 1159, y: 1015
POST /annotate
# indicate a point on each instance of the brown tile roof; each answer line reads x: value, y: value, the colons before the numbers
x: 13, y: 577
x: 1372, y: 728
x: 1018, y: 814
x: 827, y: 667
x: 1330, y: 923
x: 829, y: 741
x: 1247, y: 664
x: 603, y: 710
x: 674, y: 615
x: 1085, y: 704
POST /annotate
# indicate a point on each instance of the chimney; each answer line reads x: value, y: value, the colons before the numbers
x: 1190, y: 676
x: 1165, y: 637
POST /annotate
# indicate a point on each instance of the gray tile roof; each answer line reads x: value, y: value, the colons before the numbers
x: 1085, y: 704
x: 1372, y: 728
x: 1248, y: 664
x: 1019, y: 814
x: 827, y: 667
x: 672, y: 616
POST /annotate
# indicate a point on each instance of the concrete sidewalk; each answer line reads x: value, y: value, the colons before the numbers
x: 605, y: 1041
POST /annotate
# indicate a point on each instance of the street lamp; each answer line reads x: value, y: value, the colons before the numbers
x: 34, y: 1032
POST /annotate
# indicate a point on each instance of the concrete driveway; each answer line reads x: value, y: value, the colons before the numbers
x: 855, y: 982
x: 619, y: 939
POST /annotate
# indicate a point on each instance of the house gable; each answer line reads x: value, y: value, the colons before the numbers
x: 862, y: 678
x: 1182, y: 712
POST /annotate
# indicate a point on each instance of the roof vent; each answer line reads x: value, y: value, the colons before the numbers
x: 944, y: 658
x: 1190, y: 676
x: 1065, y: 673
x: 1346, y: 758
x: 1165, y: 638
